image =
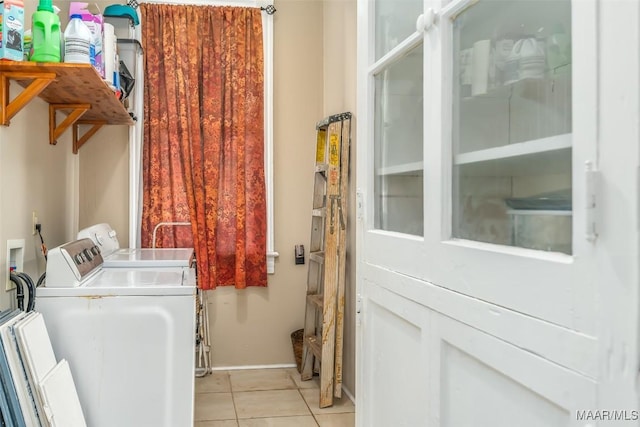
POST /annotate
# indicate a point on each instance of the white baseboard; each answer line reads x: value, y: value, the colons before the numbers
x: 349, y: 394
x: 235, y: 368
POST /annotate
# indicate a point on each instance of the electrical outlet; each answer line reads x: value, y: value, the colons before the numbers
x: 34, y: 221
x: 15, y: 259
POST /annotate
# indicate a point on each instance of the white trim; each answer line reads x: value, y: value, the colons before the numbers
x: 134, y: 183
x: 73, y: 183
x: 135, y: 159
x: 364, y: 167
x: 452, y: 10
x: 247, y: 367
x: 136, y: 135
x: 271, y: 260
x: 349, y: 394
x: 267, y: 31
x: 397, y: 53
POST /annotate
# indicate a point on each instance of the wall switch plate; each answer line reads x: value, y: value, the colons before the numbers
x: 15, y: 259
x: 299, y: 254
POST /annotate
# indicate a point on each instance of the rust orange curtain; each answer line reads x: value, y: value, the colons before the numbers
x: 203, y: 152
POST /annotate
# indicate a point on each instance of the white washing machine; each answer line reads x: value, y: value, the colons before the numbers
x: 128, y: 335
x: 106, y: 240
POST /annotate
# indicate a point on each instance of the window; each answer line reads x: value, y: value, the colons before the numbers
x: 135, y: 135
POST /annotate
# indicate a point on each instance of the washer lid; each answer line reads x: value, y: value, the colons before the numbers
x: 131, y: 258
x: 130, y: 282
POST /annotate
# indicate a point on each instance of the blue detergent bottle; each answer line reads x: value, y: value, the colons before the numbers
x: 45, y: 29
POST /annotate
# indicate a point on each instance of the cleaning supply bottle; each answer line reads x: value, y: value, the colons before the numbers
x: 46, y: 33
x: 77, y: 41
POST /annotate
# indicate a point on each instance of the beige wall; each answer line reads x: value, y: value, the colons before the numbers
x: 314, y: 77
x: 104, y: 183
x: 34, y: 176
x: 253, y: 326
x: 104, y: 170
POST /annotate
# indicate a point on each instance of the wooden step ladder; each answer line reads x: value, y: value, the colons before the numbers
x: 324, y: 314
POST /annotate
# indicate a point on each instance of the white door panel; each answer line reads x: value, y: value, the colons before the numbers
x: 412, y: 260
x: 396, y: 332
x: 558, y: 344
x: 423, y: 368
x: 488, y: 273
x: 488, y: 382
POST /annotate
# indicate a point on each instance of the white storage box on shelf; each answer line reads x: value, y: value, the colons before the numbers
x: 541, y: 230
x: 542, y: 221
x: 125, y: 21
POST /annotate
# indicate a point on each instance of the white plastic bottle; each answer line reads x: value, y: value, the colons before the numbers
x: 77, y: 41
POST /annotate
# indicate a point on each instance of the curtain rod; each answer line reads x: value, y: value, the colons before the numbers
x: 270, y: 9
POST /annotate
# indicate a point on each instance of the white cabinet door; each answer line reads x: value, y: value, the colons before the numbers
x: 513, y: 84
x: 484, y: 381
x: 433, y: 357
x: 393, y: 391
x: 476, y: 151
x: 478, y: 173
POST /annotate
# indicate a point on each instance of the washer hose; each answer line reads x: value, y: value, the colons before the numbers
x: 19, y: 290
x: 31, y: 303
x: 41, y: 279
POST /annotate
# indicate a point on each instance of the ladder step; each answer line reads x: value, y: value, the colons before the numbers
x: 315, y: 299
x: 317, y: 256
x: 319, y: 212
x: 321, y: 167
x: 314, y: 345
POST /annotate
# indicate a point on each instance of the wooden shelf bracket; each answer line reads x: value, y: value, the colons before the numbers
x: 55, y: 130
x: 77, y: 89
x: 79, y: 142
x: 10, y: 108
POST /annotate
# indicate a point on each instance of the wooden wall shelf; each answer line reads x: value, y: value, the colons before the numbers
x: 65, y: 87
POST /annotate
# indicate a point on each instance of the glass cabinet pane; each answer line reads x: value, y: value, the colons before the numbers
x: 395, y: 20
x: 398, y: 145
x: 512, y: 124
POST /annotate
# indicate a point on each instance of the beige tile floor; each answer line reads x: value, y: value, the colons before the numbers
x: 266, y: 398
